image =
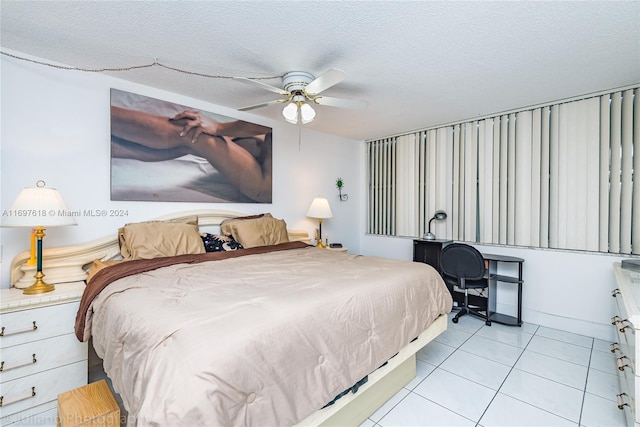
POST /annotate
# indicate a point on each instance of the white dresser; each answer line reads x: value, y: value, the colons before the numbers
x: 40, y: 357
x: 627, y: 324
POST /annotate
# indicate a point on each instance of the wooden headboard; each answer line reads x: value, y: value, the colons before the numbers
x: 70, y: 263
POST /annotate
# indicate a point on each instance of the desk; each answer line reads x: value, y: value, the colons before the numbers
x: 493, y: 262
x: 428, y: 251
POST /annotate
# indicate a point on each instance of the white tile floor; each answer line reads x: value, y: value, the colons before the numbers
x: 476, y: 375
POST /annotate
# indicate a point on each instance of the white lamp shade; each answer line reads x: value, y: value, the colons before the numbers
x: 319, y: 208
x: 38, y: 207
x: 290, y: 113
x: 307, y: 113
x: 298, y: 110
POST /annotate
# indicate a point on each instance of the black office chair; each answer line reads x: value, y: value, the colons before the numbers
x: 463, y: 266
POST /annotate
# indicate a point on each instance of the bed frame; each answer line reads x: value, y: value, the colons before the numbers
x: 71, y: 264
x: 353, y: 409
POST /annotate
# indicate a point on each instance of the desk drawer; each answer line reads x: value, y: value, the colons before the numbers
x: 36, y: 324
x: 33, y: 357
x: 26, y: 392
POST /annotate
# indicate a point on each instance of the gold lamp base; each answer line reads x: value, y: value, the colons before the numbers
x: 39, y: 287
x: 319, y: 234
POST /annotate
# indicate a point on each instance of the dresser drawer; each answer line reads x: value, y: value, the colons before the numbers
x: 627, y: 386
x: 626, y: 336
x: 626, y: 347
x: 36, y: 324
x: 32, y: 357
x: 26, y: 392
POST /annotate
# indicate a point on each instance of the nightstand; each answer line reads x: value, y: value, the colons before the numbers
x: 40, y: 354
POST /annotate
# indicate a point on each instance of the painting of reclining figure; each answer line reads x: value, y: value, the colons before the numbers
x: 161, y: 151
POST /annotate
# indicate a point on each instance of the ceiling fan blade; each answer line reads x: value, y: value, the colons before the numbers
x: 339, y: 102
x: 325, y: 81
x: 270, y: 88
x: 263, y: 104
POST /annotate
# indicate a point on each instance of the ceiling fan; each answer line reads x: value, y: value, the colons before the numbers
x: 300, y: 89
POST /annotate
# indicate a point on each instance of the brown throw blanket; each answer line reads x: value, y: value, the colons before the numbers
x: 114, y: 272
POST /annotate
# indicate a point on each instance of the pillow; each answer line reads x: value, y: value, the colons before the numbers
x: 147, y: 240
x: 263, y: 231
x: 225, y: 226
x: 124, y: 247
x: 98, y: 265
x: 219, y: 243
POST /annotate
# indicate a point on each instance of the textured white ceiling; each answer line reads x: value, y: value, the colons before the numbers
x: 417, y: 63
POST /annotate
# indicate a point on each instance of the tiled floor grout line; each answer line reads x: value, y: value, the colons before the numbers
x: 436, y: 367
x: 458, y: 348
x: 529, y: 403
x: 512, y: 367
x: 505, y: 378
x: 586, y: 380
x: 411, y: 390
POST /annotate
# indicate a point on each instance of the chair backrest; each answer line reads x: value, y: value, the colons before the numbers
x: 462, y: 261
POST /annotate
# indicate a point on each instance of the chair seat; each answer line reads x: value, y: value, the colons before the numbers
x: 463, y: 267
x: 469, y: 284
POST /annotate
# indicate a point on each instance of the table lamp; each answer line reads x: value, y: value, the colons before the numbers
x: 320, y: 209
x: 37, y: 208
x: 439, y: 215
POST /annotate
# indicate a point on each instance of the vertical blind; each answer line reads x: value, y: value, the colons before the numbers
x: 558, y: 176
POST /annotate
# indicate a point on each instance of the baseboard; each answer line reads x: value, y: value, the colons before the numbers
x: 601, y: 331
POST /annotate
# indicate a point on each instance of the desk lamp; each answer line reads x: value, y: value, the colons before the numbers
x: 320, y: 209
x: 38, y: 208
x: 439, y: 215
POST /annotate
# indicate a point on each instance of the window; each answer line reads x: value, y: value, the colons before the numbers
x: 558, y: 176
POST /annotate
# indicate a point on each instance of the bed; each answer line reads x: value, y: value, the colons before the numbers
x: 267, y: 335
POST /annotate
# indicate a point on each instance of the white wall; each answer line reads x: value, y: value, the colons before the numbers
x: 56, y: 127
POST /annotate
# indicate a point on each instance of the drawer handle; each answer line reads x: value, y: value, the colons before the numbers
x: 19, y: 399
x: 615, y: 292
x: 621, y: 402
x: 616, y: 319
x: 19, y: 331
x: 33, y: 360
x: 622, y: 365
x: 614, y: 347
x: 623, y: 327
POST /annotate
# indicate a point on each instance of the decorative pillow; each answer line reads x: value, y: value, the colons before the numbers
x: 124, y: 246
x: 263, y: 231
x: 219, y: 243
x: 225, y: 226
x: 147, y: 240
x: 98, y: 265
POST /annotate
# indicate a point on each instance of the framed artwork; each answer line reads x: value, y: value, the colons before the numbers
x: 161, y: 151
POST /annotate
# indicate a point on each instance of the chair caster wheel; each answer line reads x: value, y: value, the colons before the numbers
x: 454, y: 320
x: 488, y: 323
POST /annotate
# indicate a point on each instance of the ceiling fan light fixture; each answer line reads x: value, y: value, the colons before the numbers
x: 307, y: 113
x: 298, y: 110
x: 301, y: 90
x: 290, y: 113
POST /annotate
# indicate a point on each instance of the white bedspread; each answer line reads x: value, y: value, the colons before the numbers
x: 259, y: 340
